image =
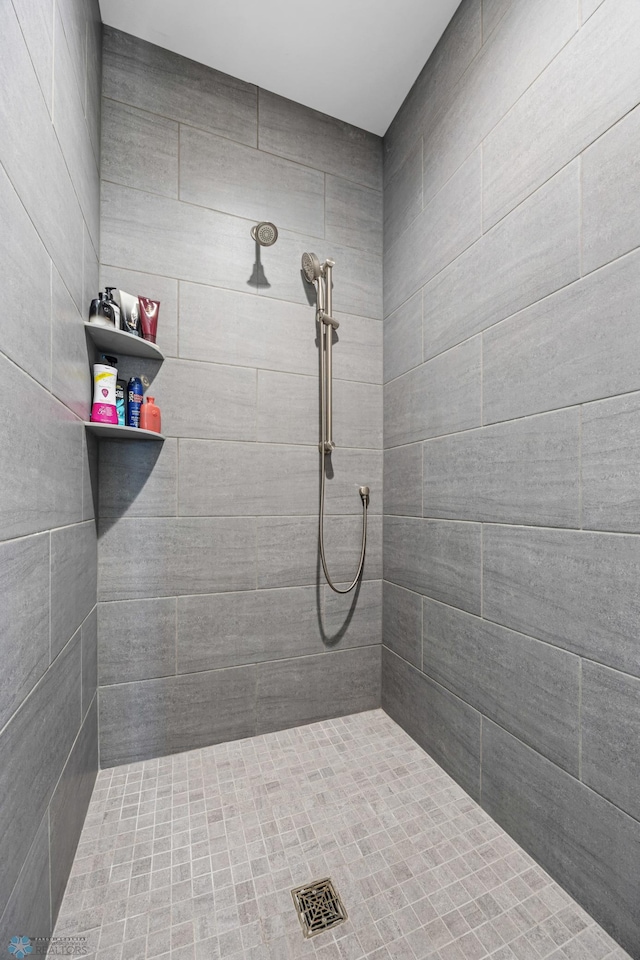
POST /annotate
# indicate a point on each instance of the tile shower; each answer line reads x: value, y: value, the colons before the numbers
x: 164, y: 617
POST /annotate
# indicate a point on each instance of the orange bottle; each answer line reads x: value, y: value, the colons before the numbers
x: 150, y: 416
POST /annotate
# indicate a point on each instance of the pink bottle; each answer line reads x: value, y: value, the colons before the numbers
x: 150, y: 416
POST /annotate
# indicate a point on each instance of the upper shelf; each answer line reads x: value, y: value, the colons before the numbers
x: 115, y: 341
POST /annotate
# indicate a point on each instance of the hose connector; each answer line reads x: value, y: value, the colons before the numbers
x: 364, y: 495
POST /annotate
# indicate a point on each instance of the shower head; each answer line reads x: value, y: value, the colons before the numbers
x: 311, y: 267
x: 265, y: 233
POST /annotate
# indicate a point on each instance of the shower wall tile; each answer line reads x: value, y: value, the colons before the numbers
x: 610, y: 730
x: 40, y: 432
x: 24, y: 618
x: 73, y: 580
x: 265, y: 479
x: 572, y: 589
x: 287, y: 549
x: 402, y: 623
x: 208, y: 401
x: 45, y: 727
x: 93, y: 103
x: 584, y: 841
x: 527, y: 687
x: 139, y: 149
x: 449, y: 224
x: 353, y: 619
x: 292, y: 692
x: 142, y: 486
x: 89, y: 638
x: 438, y: 558
x: 435, y: 85
x: 224, y: 326
x: 403, y: 480
x: 492, y: 13
x: 598, y: 74
x: 289, y: 411
x: 136, y: 640
x: 403, y: 196
x: 291, y: 130
x: 610, y: 204
x: 358, y: 353
x: 160, y: 81
x: 357, y: 276
x: 69, y: 354
x: 527, y: 256
x: 529, y: 37
x: 157, y: 288
x: 403, y: 338
x: 74, y: 16
x: 24, y: 265
x: 72, y: 133
x: 560, y: 352
x: 153, y: 718
x: 525, y: 471
x: 36, y: 22
x: 29, y: 906
x: 445, y: 726
x: 159, y: 235
x: 179, y: 556
x: 70, y: 802
x: 45, y: 189
x: 610, y: 454
x: 232, y: 178
x: 588, y: 8
x: 353, y: 215
x: 439, y: 397
x: 229, y: 629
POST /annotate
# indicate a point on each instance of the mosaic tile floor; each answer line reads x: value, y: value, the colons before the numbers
x: 194, y: 857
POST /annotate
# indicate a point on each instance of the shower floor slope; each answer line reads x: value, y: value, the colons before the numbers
x: 194, y: 856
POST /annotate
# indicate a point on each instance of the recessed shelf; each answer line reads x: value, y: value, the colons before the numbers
x: 119, y: 341
x: 114, y: 431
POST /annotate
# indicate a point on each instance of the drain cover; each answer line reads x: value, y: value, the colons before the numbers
x: 319, y: 907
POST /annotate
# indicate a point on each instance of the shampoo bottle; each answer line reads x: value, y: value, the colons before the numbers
x: 150, y: 416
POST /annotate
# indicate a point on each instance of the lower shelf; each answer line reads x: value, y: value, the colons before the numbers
x: 113, y: 431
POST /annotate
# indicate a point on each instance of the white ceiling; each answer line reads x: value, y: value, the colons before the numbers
x: 353, y: 59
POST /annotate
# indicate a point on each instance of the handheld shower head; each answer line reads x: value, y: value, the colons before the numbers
x: 311, y: 267
x: 265, y: 233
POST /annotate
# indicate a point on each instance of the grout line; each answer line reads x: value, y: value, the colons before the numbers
x: 581, y: 213
x: 580, y: 483
x: 482, y: 570
x: 580, y: 719
x: 480, y: 755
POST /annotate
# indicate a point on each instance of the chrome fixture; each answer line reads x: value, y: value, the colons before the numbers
x: 265, y: 233
x: 321, y: 276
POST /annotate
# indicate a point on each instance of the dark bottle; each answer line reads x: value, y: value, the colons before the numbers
x: 134, y: 401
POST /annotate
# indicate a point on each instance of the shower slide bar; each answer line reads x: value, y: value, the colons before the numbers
x: 321, y: 276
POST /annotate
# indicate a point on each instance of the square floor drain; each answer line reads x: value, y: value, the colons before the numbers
x: 319, y: 907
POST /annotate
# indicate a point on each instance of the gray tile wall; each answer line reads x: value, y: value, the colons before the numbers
x: 50, y: 66
x: 512, y: 430
x: 214, y: 620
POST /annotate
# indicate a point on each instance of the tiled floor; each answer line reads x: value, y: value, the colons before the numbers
x: 194, y: 857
